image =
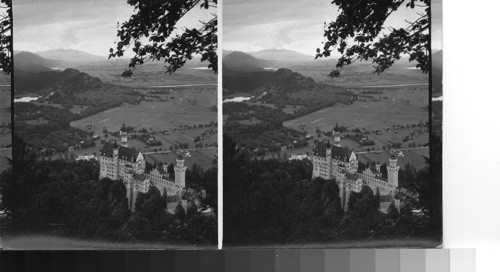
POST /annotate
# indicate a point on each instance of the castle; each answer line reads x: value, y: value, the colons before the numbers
x: 121, y: 162
x: 331, y: 161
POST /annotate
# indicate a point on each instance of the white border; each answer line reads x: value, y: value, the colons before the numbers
x: 471, y: 124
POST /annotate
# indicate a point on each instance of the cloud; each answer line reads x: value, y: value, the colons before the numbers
x: 291, y: 24
x: 257, y: 25
x: 83, y: 25
x: 87, y: 25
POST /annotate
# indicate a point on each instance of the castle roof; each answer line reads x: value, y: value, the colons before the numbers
x: 341, y: 153
x: 161, y: 170
x: 338, y: 153
x: 124, y: 153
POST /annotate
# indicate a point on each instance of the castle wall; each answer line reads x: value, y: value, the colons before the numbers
x: 384, y: 187
x: 322, y: 167
x: 108, y: 168
x: 163, y: 184
x: 115, y: 169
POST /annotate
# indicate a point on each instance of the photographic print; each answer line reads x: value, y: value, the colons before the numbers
x: 328, y: 136
x: 115, y: 121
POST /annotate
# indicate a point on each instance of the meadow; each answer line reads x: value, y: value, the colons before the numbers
x: 157, y: 116
x: 149, y: 74
x: 410, y: 157
x: 201, y: 157
x: 358, y: 74
x: 363, y: 115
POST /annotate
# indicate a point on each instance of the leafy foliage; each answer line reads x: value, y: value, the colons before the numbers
x: 358, y: 34
x: 156, y: 21
x: 67, y: 198
x: 271, y: 202
x: 6, y: 36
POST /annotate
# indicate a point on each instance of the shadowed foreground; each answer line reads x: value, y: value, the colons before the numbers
x: 392, y: 243
x: 60, y: 243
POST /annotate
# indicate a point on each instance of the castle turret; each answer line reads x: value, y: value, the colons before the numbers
x: 336, y: 138
x: 392, y: 171
x: 141, y: 163
x: 128, y: 180
x: 180, y: 172
x: 115, y: 161
x: 353, y: 163
x: 124, y: 140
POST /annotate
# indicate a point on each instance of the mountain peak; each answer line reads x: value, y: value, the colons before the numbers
x: 28, y: 61
x: 239, y: 61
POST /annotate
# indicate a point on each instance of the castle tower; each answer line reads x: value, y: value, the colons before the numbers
x: 342, y: 193
x: 124, y: 140
x: 133, y: 196
x: 116, y: 164
x: 180, y: 172
x: 353, y: 163
x: 128, y: 180
x: 336, y: 138
x: 392, y: 171
x: 141, y: 163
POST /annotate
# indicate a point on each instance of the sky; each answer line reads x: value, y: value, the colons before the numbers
x: 87, y: 25
x: 284, y: 24
x: 437, y: 24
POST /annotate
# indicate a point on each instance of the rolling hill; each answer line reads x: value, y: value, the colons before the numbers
x: 31, y: 62
x: 242, y: 62
x: 45, y: 82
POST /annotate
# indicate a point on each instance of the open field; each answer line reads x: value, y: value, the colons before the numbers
x: 363, y: 115
x: 409, y: 157
x: 202, y: 158
x: 287, y: 109
x: 155, y: 115
x: 358, y: 74
x: 151, y: 73
x: 203, y: 95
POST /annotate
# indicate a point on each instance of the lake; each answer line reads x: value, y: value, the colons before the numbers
x: 237, y: 99
x: 26, y: 99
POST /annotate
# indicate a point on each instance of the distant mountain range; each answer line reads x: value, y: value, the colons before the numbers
x: 226, y: 52
x: 48, y: 60
x: 284, y: 55
x: 69, y: 55
x: 281, y: 55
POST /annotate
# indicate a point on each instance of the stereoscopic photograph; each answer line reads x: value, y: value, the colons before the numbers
x: 115, y: 126
x: 329, y: 135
